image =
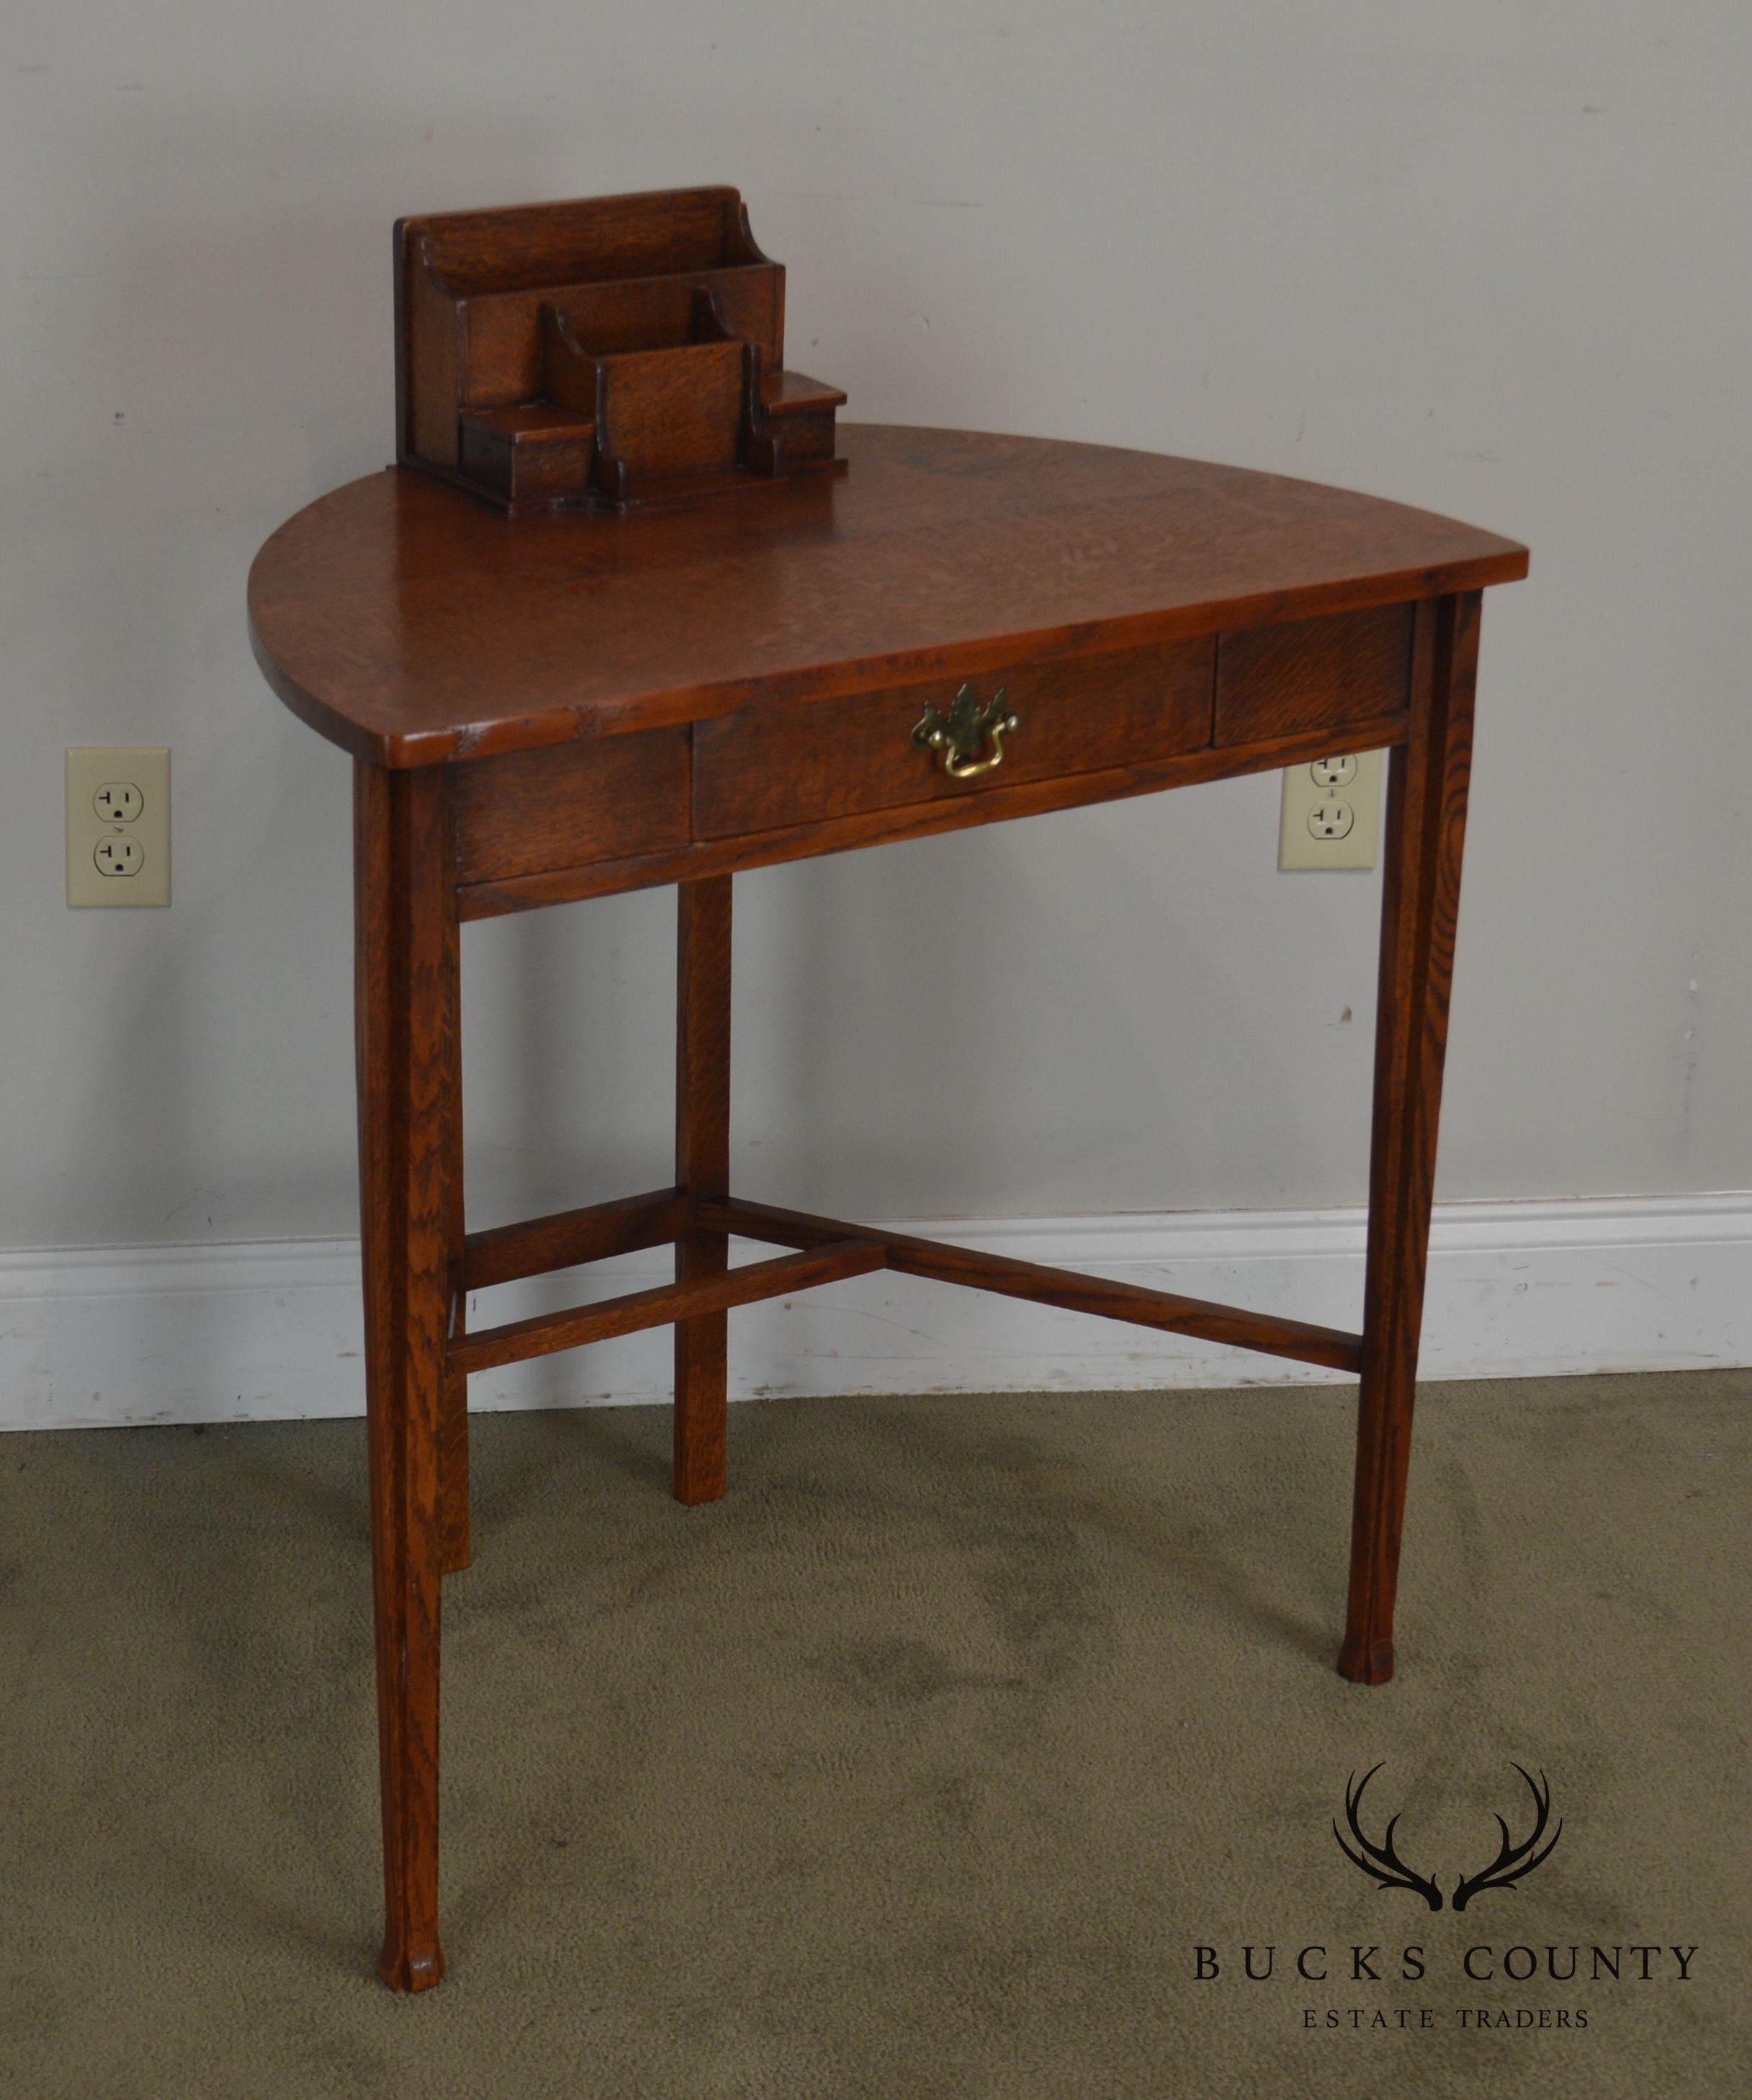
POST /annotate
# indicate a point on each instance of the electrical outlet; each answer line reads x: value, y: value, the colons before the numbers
x: 1330, y: 819
x: 121, y: 856
x: 1331, y: 812
x: 118, y: 826
x: 1334, y: 772
x: 119, y: 802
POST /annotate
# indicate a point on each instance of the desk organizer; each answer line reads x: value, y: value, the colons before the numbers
x: 608, y: 352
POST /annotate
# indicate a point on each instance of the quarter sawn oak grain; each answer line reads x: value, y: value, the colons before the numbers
x: 412, y: 623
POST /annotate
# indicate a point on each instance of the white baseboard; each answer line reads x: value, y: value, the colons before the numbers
x: 97, y: 1336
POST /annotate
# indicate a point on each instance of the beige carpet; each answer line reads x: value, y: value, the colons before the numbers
x: 920, y: 1766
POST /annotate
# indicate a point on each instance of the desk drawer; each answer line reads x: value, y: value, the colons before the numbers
x: 1310, y: 674
x: 764, y: 770
x: 567, y: 804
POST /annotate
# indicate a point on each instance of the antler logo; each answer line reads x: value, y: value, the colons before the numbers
x: 1382, y: 1863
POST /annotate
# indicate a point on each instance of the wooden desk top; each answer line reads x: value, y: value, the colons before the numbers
x: 413, y: 624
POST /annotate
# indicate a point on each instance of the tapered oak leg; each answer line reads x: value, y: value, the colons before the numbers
x: 406, y: 1014
x: 456, y: 1548
x: 1426, y: 826
x: 702, y: 1168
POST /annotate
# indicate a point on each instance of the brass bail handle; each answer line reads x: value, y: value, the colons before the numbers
x: 961, y: 734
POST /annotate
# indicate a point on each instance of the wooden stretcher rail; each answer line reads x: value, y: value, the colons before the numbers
x: 547, y: 1332
x: 1064, y: 1287
x: 571, y: 1237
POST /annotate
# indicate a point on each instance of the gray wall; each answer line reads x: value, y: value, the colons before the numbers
x: 1488, y: 259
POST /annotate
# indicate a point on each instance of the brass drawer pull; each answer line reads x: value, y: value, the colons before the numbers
x: 959, y: 736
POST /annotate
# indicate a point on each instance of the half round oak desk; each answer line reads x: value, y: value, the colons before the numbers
x: 961, y: 629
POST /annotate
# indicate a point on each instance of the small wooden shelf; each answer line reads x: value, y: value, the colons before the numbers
x: 603, y: 353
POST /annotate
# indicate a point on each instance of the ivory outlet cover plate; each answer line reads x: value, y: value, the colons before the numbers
x: 118, y: 825
x: 1331, y: 812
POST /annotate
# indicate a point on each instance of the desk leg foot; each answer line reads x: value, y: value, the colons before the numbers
x: 406, y: 1004
x: 416, y: 1967
x: 702, y: 1168
x: 1367, y: 1662
x: 1426, y: 829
